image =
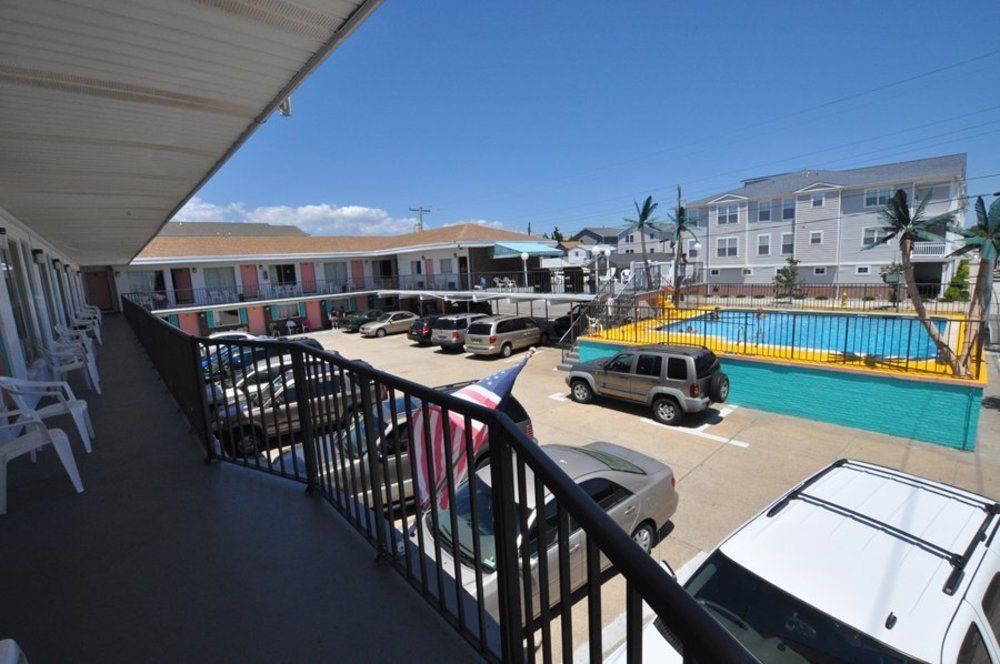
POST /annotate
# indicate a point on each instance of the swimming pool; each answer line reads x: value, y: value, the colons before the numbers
x: 857, y: 334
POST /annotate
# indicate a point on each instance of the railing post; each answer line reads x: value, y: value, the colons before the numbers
x: 375, y: 479
x: 202, y: 399
x: 505, y: 532
x: 304, y: 407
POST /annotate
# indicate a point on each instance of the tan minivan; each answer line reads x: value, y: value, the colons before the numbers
x: 502, y: 335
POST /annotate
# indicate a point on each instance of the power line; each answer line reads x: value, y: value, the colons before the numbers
x: 779, y: 118
x: 421, y: 211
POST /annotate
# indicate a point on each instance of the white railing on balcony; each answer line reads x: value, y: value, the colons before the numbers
x: 929, y: 248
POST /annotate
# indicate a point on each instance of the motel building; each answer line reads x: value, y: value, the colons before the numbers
x: 272, y: 273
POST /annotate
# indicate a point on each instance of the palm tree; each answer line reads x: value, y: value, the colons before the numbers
x: 644, y: 216
x: 984, y: 236
x: 908, y: 226
x: 681, y: 227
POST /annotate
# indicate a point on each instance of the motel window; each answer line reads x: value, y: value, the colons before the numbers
x: 220, y: 278
x: 335, y: 273
x: 862, y: 269
x: 819, y: 270
x: 445, y: 265
x: 282, y: 274
x: 763, y: 245
x: 816, y: 237
x: 714, y: 273
x: 145, y: 281
x: 726, y: 246
x: 747, y: 272
x: 285, y: 311
x: 788, y: 209
x: 50, y: 300
x: 728, y: 214
x: 764, y: 211
x: 787, y: 243
x: 17, y: 291
x: 695, y: 217
x: 877, y: 197
x: 227, y: 318
x: 416, y: 267
x: 817, y: 200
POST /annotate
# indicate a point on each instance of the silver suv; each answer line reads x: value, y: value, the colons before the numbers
x: 502, y: 335
x: 672, y: 380
x: 449, y: 331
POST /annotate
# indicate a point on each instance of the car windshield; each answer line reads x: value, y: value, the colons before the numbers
x: 775, y: 626
x: 355, y: 438
x: 480, y: 328
x: 464, y: 521
x: 613, y: 462
x: 384, y: 318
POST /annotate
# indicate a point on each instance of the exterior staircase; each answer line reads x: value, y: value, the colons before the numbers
x: 570, y: 357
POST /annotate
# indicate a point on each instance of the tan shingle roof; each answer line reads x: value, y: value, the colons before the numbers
x: 181, y: 247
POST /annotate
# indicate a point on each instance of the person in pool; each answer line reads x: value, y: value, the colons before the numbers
x: 714, y: 314
x: 760, y: 315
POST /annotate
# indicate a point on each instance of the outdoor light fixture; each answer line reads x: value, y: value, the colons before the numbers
x: 38, y: 256
x: 118, y: 273
x: 55, y: 263
x: 3, y: 237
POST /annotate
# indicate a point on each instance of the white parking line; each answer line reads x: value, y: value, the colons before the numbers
x: 558, y: 396
x: 722, y: 414
x: 700, y: 434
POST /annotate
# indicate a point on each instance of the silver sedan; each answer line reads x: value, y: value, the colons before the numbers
x: 391, y: 322
x: 636, y: 491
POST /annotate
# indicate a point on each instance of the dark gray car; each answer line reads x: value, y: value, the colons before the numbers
x: 671, y: 380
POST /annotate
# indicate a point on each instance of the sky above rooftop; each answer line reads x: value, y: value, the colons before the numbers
x: 561, y: 114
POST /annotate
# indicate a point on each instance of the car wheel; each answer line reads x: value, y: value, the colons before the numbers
x: 380, y: 332
x: 666, y: 410
x: 718, y: 388
x: 644, y: 536
x: 243, y: 444
x: 581, y: 392
x: 506, y: 350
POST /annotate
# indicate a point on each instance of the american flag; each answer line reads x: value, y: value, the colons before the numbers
x: 488, y: 392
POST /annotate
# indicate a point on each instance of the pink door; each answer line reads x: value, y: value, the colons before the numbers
x: 248, y: 274
x: 183, y: 292
x: 308, y: 273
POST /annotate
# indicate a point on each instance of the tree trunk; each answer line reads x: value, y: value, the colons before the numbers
x: 944, y: 350
x: 677, y: 276
x: 977, y: 312
x: 645, y: 256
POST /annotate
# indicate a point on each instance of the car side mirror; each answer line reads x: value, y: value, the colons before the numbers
x: 668, y: 569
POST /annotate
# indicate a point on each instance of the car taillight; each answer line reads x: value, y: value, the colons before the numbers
x: 454, y: 336
x: 426, y: 329
x: 493, y: 338
x: 695, y: 389
x: 673, y: 480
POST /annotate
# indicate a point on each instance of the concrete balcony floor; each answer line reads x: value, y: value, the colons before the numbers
x: 165, y: 559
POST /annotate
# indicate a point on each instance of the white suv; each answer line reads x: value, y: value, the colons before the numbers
x: 858, y: 563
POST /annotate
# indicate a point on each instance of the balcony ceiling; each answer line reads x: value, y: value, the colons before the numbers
x: 112, y: 114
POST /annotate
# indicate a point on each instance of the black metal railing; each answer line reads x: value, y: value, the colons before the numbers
x: 876, y: 341
x: 938, y: 298
x: 516, y: 590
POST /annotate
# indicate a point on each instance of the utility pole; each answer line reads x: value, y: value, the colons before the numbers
x: 421, y: 211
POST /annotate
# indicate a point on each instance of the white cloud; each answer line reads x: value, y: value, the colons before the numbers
x: 320, y: 219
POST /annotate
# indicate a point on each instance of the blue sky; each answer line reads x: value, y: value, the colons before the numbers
x: 560, y: 114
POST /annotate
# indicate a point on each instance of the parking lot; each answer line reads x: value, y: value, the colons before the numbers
x: 730, y: 462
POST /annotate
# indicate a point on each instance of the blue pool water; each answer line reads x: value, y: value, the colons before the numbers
x: 884, y: 336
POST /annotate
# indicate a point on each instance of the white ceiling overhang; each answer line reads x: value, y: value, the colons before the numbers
x: 112, y: 114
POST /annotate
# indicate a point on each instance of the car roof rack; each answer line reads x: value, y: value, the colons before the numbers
x: 958, y: 561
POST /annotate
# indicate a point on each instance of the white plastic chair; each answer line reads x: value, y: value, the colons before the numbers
x: 33, y: 435
x: 68, y: 336
x: 65, y: 403
x: 62, y: 359
x: 89, y: 326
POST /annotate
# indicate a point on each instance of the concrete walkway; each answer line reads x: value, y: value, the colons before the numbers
x: 165, y: 559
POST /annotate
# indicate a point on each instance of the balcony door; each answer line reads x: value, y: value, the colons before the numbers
x: 251, y: 286
x: 183, y: 293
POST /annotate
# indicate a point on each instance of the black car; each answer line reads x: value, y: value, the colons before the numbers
x: 420, y: 331
x: 353, y: 322
x: 576, y: 317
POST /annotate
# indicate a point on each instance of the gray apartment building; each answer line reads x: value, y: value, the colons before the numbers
x: 822, y: 218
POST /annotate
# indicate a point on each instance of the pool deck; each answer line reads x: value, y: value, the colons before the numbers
x: 646, y: 332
